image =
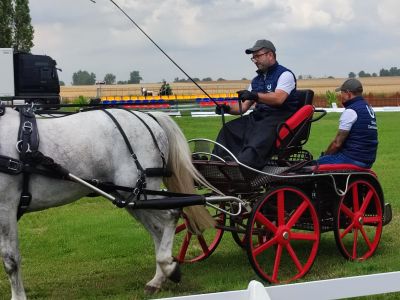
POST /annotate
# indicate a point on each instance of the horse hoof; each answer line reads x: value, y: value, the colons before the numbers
x: 176, y: 274
x: 150, y: 290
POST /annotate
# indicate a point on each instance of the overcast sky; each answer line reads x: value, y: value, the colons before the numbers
x: 207, y: 38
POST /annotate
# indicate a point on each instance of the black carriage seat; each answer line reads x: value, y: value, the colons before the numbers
x: 295, y: 131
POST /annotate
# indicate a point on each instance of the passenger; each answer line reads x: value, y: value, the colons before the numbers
x: 273, y: 90
x: 356, y: 142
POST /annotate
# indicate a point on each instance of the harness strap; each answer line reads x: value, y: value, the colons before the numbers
x: 26, y: 196
x: 151, y: 133
x: 28, y: 135
x: 28, y: 141
x: 141, y: 182
x: 128, y: 144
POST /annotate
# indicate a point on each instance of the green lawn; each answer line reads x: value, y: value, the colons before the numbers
x: 92, y: 250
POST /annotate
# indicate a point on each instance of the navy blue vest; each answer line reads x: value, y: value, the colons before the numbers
x: 267, y: 82
x: 362, y: 141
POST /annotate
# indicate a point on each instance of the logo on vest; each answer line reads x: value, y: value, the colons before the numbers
x: 370, y: 111
x: 269, y: 87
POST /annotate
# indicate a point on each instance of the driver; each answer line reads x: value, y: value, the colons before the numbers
x: 251, y: 137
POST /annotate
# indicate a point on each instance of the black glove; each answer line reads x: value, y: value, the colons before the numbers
x: 226, y: 108
x: 247, y: 95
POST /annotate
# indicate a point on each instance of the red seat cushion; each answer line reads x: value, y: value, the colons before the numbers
x: 339, y: 167
x: 294, y: 121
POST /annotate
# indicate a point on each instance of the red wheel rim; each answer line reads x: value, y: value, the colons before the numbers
x: 359, y: 221
x: 283, y: 241
x: 191, y: 248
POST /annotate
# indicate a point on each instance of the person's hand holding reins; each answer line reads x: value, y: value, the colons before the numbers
x: 219, y: 108
x: 244, y: 95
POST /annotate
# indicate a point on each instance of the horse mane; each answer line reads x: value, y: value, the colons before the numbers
x: 184, y: 174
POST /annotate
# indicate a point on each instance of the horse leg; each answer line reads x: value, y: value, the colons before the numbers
x: 161, y: 225
x: 10, y: 253
x: 164, y: 255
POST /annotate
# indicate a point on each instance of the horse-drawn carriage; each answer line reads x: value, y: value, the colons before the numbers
x: 277, y: 214
x: 285, y: 207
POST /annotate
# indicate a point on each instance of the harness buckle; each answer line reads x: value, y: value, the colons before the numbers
x: 27, y: 126
x: 14, y: 165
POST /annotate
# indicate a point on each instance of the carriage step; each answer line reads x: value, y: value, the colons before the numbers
x: 387, y: 214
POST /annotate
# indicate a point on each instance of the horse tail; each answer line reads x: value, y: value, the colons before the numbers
x: 184, y: 174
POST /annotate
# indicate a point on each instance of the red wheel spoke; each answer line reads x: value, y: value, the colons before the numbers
x: 281, y: 207
x: 359, y: 220
x: 366, y: 238
x: 298, y: 213
x: 303, y: 236
x: 347, y: 211
x: 366, y: 202
x: 264, y: 246
x: 184, y: 247
x: 179, y: 228
x: 355, y: 198
x: 347, y: 230
x: 203, y: 244
x: 294, y: 257
x: 372, y: 220
x: 264, y: 221
x: 277, y: 263
x: 355, y: 243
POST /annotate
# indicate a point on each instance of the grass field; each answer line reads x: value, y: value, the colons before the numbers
x: 92, y: 250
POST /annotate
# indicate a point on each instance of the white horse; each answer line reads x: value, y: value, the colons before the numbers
x: 145, y: 92
x: 89, y: 145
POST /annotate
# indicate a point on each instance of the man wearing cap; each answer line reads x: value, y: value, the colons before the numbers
x: 356, y: 141
x: 273, y: 90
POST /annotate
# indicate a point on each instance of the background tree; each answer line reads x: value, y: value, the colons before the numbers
x: 109, y: 78
x: 207, y: 79
x: 6, y: 23
x: 352, y: 75
x: 83, y: 78
x: 23, y: 30
x: 394, y: 71
x: 135, y: 77
x: 363, y: 74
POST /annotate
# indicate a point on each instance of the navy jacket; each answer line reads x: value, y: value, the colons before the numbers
x: 267, y: 82
x: 362, y: 141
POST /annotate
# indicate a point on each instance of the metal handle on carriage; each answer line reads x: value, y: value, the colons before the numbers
x: 219, y: 199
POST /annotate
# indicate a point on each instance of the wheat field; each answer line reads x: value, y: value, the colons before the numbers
x: 375, y: 85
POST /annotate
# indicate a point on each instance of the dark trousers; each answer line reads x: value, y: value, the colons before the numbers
x: 251, y: 138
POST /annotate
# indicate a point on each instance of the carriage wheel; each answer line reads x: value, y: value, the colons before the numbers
x: 189, y: 247
x: 283, y: 235
x: 358, y: 221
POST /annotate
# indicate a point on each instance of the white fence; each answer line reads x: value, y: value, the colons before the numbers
x: 338, y: 288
